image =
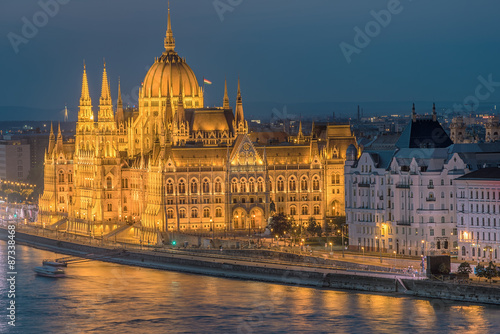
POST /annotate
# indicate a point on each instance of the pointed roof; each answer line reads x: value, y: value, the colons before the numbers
x: 119, y: 99
x: 239, y: 116
x: 226, y: 97
x: 423, y: 133
x: 51, y: 131
x: 85, y: 97
x: 105, y: 91
x: 120, y: 117
x: 169, y: 37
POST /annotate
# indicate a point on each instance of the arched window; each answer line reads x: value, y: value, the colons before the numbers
x: 170, y: 213
x: 305, y: 210
x: 206, y: 186
x: 182, y: 187
x: 182, y: 213
x: 234, y: 186
x: 194, y: 213
x: 125, y: 209
x: 110, y: 207
x: 316, y: 184
x: 206, y: 213
x: 170, y: 187
x: 218, y: 186
x: 108, y: 182
x: 280, y: 184
x: 463, y: 250
x: 292, y: 185
x: 194, y: 187
x: 251, y: 186
x: 260, y: 186
x: 293, y: 211
x: 218, y: 212
x: 337, y: 178
x: 303, y: 184
x: 61, y: 176
x: 243, y: 186
x: 124, y: 183
x: 316, y: 209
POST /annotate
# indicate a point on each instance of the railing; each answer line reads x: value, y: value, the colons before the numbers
x: 430, y: 199
x: 430, y: 186
x: 403, y: 223
x: 364, y: 185
x: 403, y: 185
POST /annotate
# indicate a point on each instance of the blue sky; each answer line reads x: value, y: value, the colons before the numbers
x: 284, y: 51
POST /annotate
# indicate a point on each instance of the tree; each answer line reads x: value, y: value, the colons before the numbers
x: 280, y: 224
x: 490, y: 271
x: 479, y: 271
x: 443, y: 269
x: 313, y: 227
x: 464, y: 268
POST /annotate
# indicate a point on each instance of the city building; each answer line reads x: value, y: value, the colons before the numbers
x: 15, y: 163
x: 401, y: 199
x: 478, y: 211
x: 174, y: 165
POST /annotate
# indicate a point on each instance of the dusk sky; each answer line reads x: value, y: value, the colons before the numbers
x: 284, y: 51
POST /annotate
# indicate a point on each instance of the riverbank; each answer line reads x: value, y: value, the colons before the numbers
x: 271, y: 270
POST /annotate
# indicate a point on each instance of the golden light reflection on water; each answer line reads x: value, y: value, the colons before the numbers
x: 111, y: 298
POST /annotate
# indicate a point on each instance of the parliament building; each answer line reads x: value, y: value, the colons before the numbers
x: 174, y: 165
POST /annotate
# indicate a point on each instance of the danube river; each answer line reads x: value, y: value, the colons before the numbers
x: 101, y: 297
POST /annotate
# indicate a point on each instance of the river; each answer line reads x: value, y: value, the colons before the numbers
x: 100, y: 297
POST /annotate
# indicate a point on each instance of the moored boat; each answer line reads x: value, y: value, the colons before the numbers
x: 54, y: 263
x: 48, y: 271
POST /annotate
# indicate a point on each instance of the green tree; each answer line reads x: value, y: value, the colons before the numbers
x: 464, y: 268
x: 280, y: 224
x: 490, y: 271
x: 313, y: 227
x: 479, y: 271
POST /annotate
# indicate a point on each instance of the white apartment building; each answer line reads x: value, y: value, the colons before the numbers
x: 478, y: 204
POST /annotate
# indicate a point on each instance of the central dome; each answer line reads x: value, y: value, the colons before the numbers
x: 170, y: 71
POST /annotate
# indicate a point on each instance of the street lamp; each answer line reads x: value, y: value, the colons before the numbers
x: 331, y: 248
x: 394, y: 260
x: 212, y: 227
x: 380, y: 249
x: 423, y: 246
x: 363, y: 249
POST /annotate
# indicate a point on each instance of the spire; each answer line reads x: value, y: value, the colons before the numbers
x: 59, y: 133
x: 85, y: 97
x: 168, y: 109
x: 51, y: 131
x: 169, y: 38
x: 434, y: 115
x: 226, y: 97
x: 59, y: 143
x: 119, y: 117
x: 239, y: 117
x: 180, y: 104
x: 300, y: 128
x: 105, y: 92
x: 65, y: 113
x: 413, y: 114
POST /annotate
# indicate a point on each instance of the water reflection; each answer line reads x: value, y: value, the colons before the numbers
x: 110, y: 298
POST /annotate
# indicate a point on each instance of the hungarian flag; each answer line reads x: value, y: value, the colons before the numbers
x: 207, y: 82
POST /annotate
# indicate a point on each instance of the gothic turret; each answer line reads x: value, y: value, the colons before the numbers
x: 239, y: 119
x: 119, y: 117
x: 85, y: 113
x: 226, y: 97
x: 105, y: 104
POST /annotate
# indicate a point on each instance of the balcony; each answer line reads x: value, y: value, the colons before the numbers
x: 430, y: 199
x: 364, y: 185
x: 430, y: 186
x: 402, y: 185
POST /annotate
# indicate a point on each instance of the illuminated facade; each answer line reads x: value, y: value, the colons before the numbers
x: 174, y: 165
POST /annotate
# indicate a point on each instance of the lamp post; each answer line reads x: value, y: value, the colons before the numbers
x: 394, y: 260
x: 212, y: 227
x: 363, y: 249
x: 423, y: 246
x: 331, y: 248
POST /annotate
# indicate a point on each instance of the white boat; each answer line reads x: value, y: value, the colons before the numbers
x: 48, y: 271
x: 54, y: 263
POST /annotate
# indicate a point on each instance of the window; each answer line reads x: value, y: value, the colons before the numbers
x: 251, y: 186
x: 70, y: 177
x: 293, y: 211
x: 125, y: 183
x: 108, y: 182
x: 110, y: 207
x: 206, y: 213
x: 125, y: 209
x: 218, y: 212
x: 170, y: 213
x: 292, y: 184
x: 182, y: 213
x: 316, y: 210
x: 305, y: 210
x: 260, y: 186
x: 243, y: 186
x: 170, y: 187
x: 315, y: 184
x: 182, y: 187
x: 206, y: 186
x: 218, y: 186
x: 234, y: 187
x: 280, y: 184
x: 61, y: 177
x: 194, y: 187
x: 194, y: 213
x: 303, y: 184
